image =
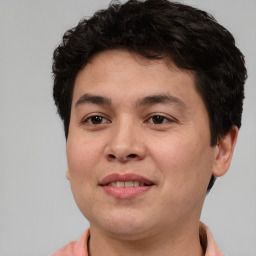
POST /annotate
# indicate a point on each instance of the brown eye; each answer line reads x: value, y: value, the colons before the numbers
x: 95, y: 120
x: 157, y: 119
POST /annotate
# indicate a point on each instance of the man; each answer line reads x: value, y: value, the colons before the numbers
x: 151, y: 97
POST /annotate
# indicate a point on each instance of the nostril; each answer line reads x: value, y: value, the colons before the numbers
x: 121, y: 157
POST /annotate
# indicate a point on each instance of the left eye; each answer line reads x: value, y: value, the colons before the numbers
x: 94, y: 120
x: 158, y: 119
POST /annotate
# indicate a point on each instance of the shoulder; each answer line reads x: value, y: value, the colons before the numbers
x: 75, y: 248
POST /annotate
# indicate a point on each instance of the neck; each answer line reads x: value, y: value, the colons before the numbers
x: 165, y: 244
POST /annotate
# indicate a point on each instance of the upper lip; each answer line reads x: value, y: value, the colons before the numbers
x: 125, y: 177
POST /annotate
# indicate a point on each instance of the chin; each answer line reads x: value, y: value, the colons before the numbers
x: 127, y: 232
x: 123, y: 225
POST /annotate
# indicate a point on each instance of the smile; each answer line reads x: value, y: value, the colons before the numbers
x: 125, y: 185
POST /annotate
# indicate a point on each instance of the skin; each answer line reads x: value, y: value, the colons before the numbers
x: 166, y: 141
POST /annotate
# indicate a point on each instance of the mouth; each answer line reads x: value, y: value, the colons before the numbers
x: 126, y: 185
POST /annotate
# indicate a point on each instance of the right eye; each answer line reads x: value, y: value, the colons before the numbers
x: 95, y: 120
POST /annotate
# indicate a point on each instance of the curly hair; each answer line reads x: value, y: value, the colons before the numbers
x: 158, y: 29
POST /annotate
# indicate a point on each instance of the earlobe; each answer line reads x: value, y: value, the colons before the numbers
x: 225, y: 149
x: 67, y: 175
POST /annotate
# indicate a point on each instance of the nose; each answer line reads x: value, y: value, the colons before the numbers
x: 125, y: 143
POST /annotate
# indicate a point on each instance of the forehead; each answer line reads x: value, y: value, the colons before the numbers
x: 126, y: 72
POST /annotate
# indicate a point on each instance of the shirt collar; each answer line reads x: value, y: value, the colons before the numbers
x: 80, y: 247
x: 207, y: 241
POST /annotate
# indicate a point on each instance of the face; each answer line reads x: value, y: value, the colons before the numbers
x: 138, y: 149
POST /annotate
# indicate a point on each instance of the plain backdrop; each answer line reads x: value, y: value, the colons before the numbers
x: 37, y: 211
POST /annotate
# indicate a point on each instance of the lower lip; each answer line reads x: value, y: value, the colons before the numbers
x: 126, y: 192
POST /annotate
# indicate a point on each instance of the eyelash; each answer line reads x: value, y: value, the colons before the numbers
x: 89, y: 121
x: 103, y: 120
x: 161, y: 117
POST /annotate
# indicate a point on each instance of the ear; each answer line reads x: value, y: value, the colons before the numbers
x: 224, y: 152
x: 67, y: 175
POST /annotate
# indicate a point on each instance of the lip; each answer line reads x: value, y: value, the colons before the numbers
x: 125, y: 177
x: 122, y: 192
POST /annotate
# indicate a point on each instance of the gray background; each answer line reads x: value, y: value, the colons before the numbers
x: 37, y: 211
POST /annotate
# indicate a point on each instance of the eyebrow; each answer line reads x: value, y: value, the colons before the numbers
x: 148, y: 100
x: 161, y: 98
x: 95, y: 99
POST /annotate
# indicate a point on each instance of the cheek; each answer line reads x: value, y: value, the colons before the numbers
x: 184, y: 163
x: 82, y: 156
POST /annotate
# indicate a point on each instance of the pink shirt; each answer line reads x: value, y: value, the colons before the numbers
x: 79, y: 247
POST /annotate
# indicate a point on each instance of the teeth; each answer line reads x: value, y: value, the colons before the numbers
x: 120, y: 184
x: 136, y: 184
x: 126, y: 184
